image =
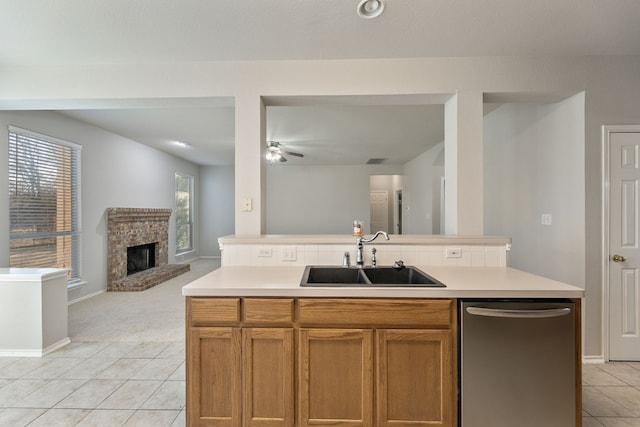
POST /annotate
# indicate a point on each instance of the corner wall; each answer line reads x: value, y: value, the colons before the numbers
x: 534, y: 165
x: 217, y: 192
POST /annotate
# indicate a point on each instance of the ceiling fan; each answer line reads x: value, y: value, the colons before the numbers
x: 275, y: 153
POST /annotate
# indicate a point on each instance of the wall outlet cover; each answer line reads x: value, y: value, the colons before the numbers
x: 264, y: 252
x: 453, y: 253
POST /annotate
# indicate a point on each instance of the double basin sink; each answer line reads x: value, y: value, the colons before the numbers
x: 332, y: 276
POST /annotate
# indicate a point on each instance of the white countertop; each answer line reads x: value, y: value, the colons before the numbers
x: 461, y: 282
x: 15, y: 274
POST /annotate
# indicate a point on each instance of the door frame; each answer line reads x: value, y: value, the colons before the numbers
x: 607, y: 130
x: 397, y: 211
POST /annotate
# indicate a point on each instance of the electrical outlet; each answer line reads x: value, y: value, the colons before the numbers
x: 264, y: 252
x: 453, y: 253
x: 289, y: 253
x: 247, y: 204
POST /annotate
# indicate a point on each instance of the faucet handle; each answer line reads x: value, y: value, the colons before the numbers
x: 346, y: 260
x: 398, y: 265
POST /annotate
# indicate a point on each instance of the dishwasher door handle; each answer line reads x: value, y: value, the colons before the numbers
x: 519, y: 314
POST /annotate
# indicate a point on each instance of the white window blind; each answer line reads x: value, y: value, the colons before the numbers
x: 184, y: 212
x: 44, y: 195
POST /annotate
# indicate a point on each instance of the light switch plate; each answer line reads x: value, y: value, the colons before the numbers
x: 289, y: 253
x: 546, y: 219
x: 247, y: 205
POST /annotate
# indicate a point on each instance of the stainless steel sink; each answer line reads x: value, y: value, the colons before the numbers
x: 332, y: 276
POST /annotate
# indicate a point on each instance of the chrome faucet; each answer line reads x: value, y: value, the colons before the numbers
x: 360, y: 241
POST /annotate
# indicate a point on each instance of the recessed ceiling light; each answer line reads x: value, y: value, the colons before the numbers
x: 370, y: 8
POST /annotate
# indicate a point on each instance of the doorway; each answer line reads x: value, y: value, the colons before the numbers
x: 621, y: 243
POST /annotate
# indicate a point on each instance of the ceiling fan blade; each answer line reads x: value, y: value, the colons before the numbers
x: 293, y: 153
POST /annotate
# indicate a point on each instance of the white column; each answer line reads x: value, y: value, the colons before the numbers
x: 463, y: 164
x: 250, y: 175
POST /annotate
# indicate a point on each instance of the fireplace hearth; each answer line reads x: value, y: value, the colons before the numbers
x: 138, y: 249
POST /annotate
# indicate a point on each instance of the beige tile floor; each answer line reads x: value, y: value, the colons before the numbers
x: 96, y: 384
x: 143, y: 383
x: 611, y: 395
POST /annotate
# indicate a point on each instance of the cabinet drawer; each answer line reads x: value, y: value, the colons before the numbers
x: 434, y: 313
x: 214, y: 311
x: 268, y: 310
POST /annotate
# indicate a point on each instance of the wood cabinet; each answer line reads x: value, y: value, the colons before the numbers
x: 414, y: 377
x: 321, y: 361
x: 336, y: 377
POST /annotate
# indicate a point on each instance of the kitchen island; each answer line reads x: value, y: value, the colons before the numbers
x: 264, y: 351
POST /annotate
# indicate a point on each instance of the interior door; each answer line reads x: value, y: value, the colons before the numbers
x: 624, y: 247
x: 379, y: 203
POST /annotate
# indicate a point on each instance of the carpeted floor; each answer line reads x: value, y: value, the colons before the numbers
x: 155, y: 315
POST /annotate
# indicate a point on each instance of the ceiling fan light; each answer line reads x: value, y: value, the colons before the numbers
x: 370, y: 8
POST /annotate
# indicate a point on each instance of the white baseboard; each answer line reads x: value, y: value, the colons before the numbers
x: 84, y: 297
x: 210, y: 256
x: 34, y: 353
x: 593, y: 360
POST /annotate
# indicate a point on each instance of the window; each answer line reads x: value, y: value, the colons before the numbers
x: 184, y: 213
x: 44, y: 194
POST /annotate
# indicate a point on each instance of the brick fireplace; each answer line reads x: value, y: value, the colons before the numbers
x: 136, y: 227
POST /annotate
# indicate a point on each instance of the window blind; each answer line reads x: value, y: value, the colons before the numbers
x: 44, y: 194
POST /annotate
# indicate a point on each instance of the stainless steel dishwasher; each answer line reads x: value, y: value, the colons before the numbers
x: 517, y: 363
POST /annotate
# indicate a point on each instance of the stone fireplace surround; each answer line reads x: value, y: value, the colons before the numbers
x: 132, y: 227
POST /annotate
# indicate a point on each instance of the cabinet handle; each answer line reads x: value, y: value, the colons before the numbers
x: 618, y: 258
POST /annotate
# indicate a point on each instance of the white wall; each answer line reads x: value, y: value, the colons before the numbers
x: 216, y: 207
x: 116, y: 172
x: 319, y: 200
x: 534, y: 165
x: 420, y: 193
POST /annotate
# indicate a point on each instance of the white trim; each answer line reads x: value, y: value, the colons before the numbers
x: 82, y: 298
x: 76, y: 284
x: 53, y: 139
x: 192, y: 215
x: 593, y: 360
x: 35, y: 353
x: 607, y: 130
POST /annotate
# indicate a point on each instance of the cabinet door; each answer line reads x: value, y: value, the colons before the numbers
x: 336, y: 385
x: 415, y: 378
x: 213, y: 374
x: 268, y: 377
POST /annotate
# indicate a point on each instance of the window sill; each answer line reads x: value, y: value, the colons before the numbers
x: 76, y: 284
